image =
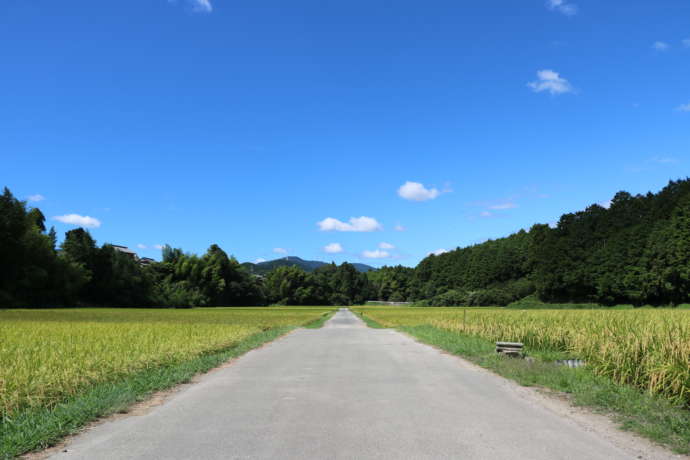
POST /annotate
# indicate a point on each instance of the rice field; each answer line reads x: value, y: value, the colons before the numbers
x: 647, y: 348
x: 48, y: 355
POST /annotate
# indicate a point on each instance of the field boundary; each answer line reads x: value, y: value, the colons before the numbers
x: 559, y: 402
x: 368, y: 321
x: 319, y: 322
x: 651, y: 417
x: 36, y: 429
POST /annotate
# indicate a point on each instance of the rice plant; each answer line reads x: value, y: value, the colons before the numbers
x: 646, y: 348
x: 47, y: 355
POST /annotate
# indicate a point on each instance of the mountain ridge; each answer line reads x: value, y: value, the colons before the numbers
x: 294, y: 261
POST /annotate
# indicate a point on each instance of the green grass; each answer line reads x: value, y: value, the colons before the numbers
x: 49, y: 355
x: 318, y: 323
x: 533, y: 303
x: 651, y: 416
x: 369, y: 322
x: 38, y: 428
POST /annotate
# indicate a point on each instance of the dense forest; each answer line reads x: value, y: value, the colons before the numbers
x: 35, y: 272
x: 635, y: 251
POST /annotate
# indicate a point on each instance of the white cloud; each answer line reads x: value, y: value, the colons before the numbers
x: 485, y: 214
x: 141, y: 246
x: 159, y: 246
x: 399, y: 228
x: 81, y: 221
x: 438, y: 252
x: 502, y: 206
x: 356, y: 224
x: 562, y: 6
x: 202, y: 6
x: 259, y: 260
x: 686, y: 43
x: 280, y: 251
x: 385, y: 245
x: 664, y: 160
x: 36, y: 197
x: 333, y: 248
x: 550, y: 81
x: 198, y: 6
x: 414, y: 191
x: 660, y: 46
x: 684, y: 107
x: 377, y: 254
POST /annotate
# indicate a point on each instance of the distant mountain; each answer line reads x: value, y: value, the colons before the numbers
x: 307, y: 265
x: 363, y: 268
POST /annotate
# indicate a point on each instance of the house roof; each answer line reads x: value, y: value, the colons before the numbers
x: 124, y: 249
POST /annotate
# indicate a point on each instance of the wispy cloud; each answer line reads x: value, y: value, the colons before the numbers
x: 660, y: 46
x: 399, y: 228
x: 551, y: 82
x: 502, y: 206
x: 377, y: 254
x: 203, y: 6
x: 562, y: 6
x: 664, y: 160
x: 438, y: 252
x: 385, y: 245
x: 686, y: 42
x: 35, y: 198
x: 415, y: 191
x: 498, y: 207
x: 198, y: 6
x: 142, y: 246
x: 652, y: 163
x: 259, y: 260
x: 80, y: 221
x: 333, y: 248
x: 684, y: 107
x: 355, y: 224
x: 159, y: 246
x: 282, y: 251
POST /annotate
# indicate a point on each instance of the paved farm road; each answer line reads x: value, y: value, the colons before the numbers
x: 346, y: 392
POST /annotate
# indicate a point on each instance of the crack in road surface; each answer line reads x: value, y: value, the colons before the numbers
x: 346, y: 391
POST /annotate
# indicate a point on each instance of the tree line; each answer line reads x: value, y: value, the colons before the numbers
x: 637, y: 250
x: 36, y: 272
x: 634, y: 251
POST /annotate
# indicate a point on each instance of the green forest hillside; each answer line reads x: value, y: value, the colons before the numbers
x: 262, y: 268
x: 636, y: 251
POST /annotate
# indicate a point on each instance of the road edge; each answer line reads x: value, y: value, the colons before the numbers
x: 42, y: 432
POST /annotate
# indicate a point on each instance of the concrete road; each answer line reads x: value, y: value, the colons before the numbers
x: 349, y: 392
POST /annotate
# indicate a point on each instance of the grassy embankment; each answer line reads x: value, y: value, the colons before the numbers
x: 60, y: 369
x: 638, y: 368
x: 533, y: 303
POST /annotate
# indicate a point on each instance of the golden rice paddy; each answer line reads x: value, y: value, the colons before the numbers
x: 646, y: 348
x: 47, y: 355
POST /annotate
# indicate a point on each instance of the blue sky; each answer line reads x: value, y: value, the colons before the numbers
x: 265, y: 125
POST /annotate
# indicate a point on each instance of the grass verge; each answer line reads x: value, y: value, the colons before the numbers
x: 40, y: 428
x: 650, y: 416
x: 369, y: 322
x: 318, y: 323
